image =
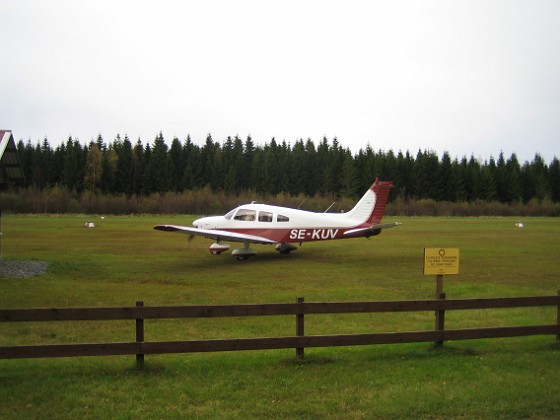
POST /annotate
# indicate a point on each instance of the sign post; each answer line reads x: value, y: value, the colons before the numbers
x: 440, y: 261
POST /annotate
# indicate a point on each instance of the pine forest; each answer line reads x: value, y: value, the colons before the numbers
x: 122, y: 177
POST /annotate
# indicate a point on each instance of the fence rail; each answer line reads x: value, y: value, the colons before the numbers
x: 299, y: 341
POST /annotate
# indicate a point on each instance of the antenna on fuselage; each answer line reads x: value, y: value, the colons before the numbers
x: 334, y: 202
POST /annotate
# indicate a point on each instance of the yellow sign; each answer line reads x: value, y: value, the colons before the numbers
x: 441, y: 261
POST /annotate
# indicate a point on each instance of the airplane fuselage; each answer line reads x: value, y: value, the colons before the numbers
x: 281, y: 224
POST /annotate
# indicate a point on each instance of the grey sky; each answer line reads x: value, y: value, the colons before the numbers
x: 468, y: 77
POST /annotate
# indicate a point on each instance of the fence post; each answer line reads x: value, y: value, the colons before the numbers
x: 300, y: 329
x: 558, y: 318
x: 140, y: 335
x: 439, y: 285
x: 440, y: 320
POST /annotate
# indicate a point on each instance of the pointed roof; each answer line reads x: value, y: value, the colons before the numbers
x: 10, y: 166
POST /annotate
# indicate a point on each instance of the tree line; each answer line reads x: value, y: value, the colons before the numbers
x: 239, y: 167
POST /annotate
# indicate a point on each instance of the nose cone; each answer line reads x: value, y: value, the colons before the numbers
x: 206, y: 223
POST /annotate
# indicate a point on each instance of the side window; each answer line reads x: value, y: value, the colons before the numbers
x: 281, y: 218
x: 246, y: 215
x: 265, y: 216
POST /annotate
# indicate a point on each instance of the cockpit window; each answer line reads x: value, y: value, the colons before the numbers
x: 229, y: 214
x: 246, y: 215
x: 265, y: 216
x: 281, y: 218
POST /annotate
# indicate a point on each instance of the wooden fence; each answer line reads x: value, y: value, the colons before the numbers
x: 299, y: 341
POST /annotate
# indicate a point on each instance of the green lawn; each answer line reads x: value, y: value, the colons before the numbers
x: 123, y: 260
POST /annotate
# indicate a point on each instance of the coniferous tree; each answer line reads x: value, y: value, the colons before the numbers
x: 110, y: 164
x: 348, y: 177
x: 191, y: 173
x: 25, y: 153
x: 101, y: 143
x: 94, y: 168
x: 461, y: 180
x: 47, y: 164
x: 473, y: 179
x: 157, y: 175
x: 337, y: 158
x: 312, y: 179
x: 502, y: 179
x: 271, y: 171
x: 217, y: 169
x: 147, y: 179
x: 238, y: 169
x: 448, y: 188
x: 514, y: 187
x: 208, y: 163
x: 234, y: 166
x: 138, y: 163
x: 55, y: 165
x: 366, y: 165
x: 124, y: 176
x: 299, y: 168
x: 74, y: 163
x: 284, y: 167
x: 248, y: 156
x: 424, y: 170
x: 403, y: 182
x: 257, y: 175
x: 535, y: 180
x: 390, y: 170
x: 488, y: 182
x: 176, y: 166
x: 325, y: 168
x: 554, y: 180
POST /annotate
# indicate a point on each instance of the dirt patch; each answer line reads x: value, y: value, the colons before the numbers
x: 22, y: 268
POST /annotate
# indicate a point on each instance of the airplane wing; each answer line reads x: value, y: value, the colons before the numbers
x: 218, y: 235
x: 373, y: 229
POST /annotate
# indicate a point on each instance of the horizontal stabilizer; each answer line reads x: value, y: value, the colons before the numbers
x: 372, y: 228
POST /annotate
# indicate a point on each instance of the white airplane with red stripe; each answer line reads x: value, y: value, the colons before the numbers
x: 283, y: 226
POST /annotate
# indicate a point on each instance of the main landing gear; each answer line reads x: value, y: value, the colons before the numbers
x: 240, y: 253
x: 246, y: 252
x: 285, y: 248
x: 243, y: 253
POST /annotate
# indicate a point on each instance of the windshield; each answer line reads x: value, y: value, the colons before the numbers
x: 230, y: 214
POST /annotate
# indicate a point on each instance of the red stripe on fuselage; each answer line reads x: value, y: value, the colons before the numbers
x: 298, y: 234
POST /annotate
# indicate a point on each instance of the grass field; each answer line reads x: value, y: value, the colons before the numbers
x: 123, y: 260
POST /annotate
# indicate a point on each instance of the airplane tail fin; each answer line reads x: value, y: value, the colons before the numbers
x: 371, y: 206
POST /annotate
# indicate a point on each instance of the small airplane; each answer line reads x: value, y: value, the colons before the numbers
x: 283, y: 226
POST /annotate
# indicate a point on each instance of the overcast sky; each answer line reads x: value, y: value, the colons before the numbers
x: 467, y: 77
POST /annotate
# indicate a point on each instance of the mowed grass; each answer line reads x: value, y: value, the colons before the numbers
x: 123, y: 260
